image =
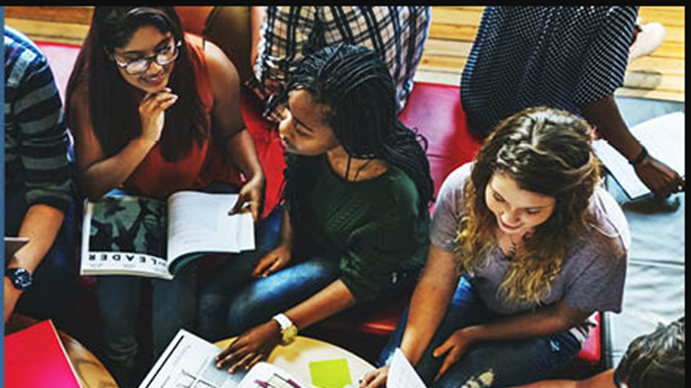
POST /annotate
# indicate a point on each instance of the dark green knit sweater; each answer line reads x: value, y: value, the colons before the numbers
x: 376, y: 228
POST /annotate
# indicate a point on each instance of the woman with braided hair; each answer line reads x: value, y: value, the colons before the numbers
x: 525, y: 247
x: 355, y: 222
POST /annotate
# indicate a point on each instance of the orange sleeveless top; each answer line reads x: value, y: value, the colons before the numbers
x: 205, y: 163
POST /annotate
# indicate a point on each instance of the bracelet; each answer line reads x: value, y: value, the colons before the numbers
x: 638, y: 159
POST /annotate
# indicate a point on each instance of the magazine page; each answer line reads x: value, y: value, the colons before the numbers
x: 188, y: 362
x: 199, y: 222
x: 124, y: 235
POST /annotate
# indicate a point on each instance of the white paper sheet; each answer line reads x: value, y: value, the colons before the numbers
x: 662, y: 136
x: 402, y: 374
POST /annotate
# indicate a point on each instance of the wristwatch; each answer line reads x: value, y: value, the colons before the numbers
x: 21, y: 278
x: 288, y: 329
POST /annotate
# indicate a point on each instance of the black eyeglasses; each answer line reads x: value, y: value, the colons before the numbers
x: 163, y: 57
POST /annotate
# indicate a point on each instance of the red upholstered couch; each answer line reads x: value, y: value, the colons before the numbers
x: 435, y: 111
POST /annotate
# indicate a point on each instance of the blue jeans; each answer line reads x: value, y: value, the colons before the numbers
x: 54, y: 289
x: 119, y: 297
x: 509, y: 363
x: 235, y: 301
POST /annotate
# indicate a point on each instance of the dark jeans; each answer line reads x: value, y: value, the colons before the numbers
x: 119, y: 297
x: 174, y: 306
x: 235, y: 301
x: 54, y: 288
x: 489, y: 364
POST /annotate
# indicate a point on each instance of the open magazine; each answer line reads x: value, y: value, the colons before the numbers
x: 189, y: 362
x: 128, y: 235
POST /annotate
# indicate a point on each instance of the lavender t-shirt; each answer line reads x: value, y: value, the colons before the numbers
x: 594, y: 268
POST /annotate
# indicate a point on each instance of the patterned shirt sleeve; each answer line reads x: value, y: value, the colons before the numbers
x: 285, y: 33
x: 604, y: 65
x: 44, y: 142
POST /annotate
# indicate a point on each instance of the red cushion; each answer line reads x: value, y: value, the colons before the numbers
x: 590, y: 354
x: 61, y: 58
x: 436, y: 112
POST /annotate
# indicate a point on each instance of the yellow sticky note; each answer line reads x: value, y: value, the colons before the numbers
x: 330, y: 374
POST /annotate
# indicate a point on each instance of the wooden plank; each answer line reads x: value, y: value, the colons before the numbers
x: 670, y: 50
x: 447, y: 47
x: 50, y: 31
x: 653, y: 63
x: 442, y: 63
x: 442, y: 15
x: 673, y: 16
x: 651, y: 94
x: 654, y: 80
x: 453, y: 32
x: 438, y: 78
x: 79, y: 15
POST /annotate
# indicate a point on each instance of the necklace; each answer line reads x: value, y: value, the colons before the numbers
x: 358, y: 171
x: 514, y: 246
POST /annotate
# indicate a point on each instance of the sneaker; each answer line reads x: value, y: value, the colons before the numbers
x: 649, y: 39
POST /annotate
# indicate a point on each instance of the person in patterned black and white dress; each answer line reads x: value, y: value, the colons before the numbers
x: 571, y: 58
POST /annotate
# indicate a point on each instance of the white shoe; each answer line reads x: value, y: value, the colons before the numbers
x: 649, y: 39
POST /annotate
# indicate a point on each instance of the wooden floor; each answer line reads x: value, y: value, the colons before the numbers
x: 659, y: 76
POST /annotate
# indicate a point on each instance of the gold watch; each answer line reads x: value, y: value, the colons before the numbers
x: 288, y: 329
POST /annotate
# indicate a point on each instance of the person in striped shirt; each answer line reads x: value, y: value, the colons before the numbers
x: 40, y: 277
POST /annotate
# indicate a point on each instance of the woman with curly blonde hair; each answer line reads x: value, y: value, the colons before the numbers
x: 525, y: 246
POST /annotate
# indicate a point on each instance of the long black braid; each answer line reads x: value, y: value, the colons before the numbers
x: 357, y: 87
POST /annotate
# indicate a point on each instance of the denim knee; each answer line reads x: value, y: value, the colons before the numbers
x: 509, y: 363
x: 211, y: 317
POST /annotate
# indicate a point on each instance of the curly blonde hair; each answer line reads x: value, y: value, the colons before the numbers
x: 546, y: 151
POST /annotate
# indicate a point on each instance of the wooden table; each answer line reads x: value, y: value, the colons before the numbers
x: 296, y: 357
x: 90, y: 371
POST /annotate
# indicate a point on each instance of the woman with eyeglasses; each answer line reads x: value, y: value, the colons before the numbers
x: 155, y: 111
